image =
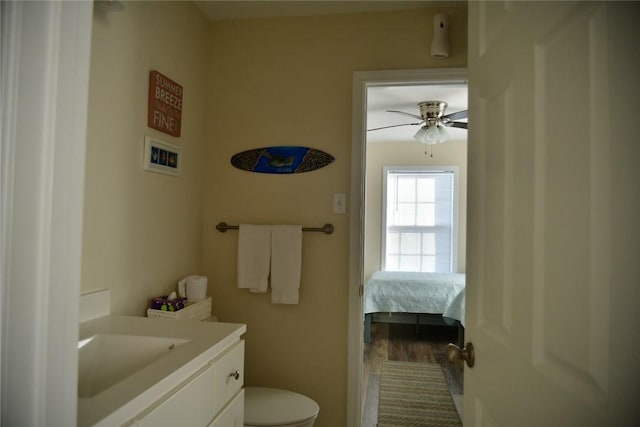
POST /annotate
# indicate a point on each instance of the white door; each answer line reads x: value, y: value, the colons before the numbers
x: 44, y: 85
x: 553, y: 255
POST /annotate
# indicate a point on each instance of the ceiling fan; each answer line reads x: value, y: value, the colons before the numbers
x: 433, y: 121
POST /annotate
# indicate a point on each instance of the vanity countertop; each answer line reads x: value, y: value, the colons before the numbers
x: 120, y: 402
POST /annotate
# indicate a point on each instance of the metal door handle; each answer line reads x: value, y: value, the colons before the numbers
x: 467, y: 354
x: 235, y: 374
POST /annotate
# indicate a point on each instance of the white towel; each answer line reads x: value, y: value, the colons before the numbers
x: 286, y: 263
x: 254, y: 253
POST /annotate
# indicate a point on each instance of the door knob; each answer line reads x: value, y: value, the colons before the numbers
x: 467, y: 354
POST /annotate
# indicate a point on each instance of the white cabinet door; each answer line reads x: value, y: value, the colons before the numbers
x: 229, y: 376
x: 198, y: 400
x: 189, y: 405
x: 554, y: 203
x: 233, y: 414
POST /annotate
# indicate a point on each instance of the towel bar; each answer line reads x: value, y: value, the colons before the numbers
x: 326, y: 229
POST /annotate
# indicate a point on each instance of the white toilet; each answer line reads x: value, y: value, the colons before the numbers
x: 278, y: 408
x: 271, y: 407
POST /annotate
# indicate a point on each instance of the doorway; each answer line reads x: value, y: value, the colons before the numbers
x: 369, y: 89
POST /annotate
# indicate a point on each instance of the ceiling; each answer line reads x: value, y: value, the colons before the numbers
x: 240, y: 9
x: 406, y: 98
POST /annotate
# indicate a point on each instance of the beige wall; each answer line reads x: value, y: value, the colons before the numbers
x: 142, y: 230
x: 409, y: 154
x: 288, y: 81
x: 248, y: 84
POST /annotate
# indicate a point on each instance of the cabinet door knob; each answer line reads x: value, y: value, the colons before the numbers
x: 235, y: 374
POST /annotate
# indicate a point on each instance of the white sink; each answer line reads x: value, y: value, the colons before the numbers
x: 127, y: 363
x: 106, y: 359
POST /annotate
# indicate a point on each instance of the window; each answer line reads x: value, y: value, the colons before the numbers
x: 419, y: 219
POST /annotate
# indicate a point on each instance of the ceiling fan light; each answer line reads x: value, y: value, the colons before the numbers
x: 443, y: 135
x: 420, y: 136
x: 432, y: 136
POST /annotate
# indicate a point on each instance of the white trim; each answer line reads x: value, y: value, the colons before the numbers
x: 45, y: 76
x: 9, y: 20
x: 362, y: 80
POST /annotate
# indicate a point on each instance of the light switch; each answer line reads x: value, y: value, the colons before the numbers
x: 339, y: 203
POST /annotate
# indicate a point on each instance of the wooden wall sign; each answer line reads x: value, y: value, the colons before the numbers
x: 165, y: 104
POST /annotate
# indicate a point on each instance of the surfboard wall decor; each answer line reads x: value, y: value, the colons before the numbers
x: 280, y: 160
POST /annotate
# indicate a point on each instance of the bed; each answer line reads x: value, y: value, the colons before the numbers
x: 413, y: 297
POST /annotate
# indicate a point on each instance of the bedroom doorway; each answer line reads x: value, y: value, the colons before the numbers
x: 402, y: 336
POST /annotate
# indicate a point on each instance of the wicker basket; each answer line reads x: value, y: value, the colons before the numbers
x: 192, y: 311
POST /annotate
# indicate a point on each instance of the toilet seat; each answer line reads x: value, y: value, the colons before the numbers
x: 273, y: 407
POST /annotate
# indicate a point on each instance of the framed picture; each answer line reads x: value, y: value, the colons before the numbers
x: 161, y: 157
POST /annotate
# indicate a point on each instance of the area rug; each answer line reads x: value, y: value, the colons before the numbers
x: 415, y: 394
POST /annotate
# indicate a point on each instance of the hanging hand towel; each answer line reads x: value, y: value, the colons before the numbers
x: 286, y: 263
x: 254, y: 254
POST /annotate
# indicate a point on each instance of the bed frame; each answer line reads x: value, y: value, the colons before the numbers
x: 418, y: 319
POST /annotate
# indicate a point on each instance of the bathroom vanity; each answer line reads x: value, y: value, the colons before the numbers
x: 137, y: 371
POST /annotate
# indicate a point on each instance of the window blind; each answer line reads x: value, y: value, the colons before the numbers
x: 419, y: 220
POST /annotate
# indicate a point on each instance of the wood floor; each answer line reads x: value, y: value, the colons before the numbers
x: 393, y: 341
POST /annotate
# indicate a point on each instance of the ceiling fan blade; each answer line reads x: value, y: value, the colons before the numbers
x: 395, y: 126
x: 457, y: 115
x: 415, y: 116
x: 461, y: 125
